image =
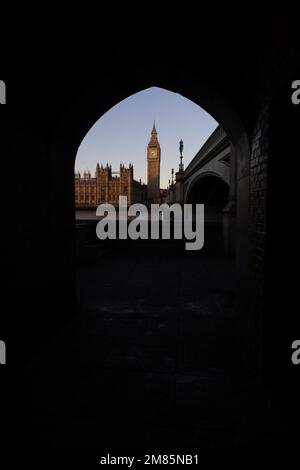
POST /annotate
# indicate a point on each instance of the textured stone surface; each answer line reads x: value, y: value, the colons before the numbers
x: 258, y: 201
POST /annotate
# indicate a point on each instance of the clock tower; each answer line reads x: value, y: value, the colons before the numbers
x: 153, y: 160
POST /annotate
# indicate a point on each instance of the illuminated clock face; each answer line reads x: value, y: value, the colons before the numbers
x: 152, y: 153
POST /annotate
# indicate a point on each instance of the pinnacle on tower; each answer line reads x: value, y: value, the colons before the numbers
x: 153, y: 141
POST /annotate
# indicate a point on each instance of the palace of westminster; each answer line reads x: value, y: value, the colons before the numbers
x: 106, y: 188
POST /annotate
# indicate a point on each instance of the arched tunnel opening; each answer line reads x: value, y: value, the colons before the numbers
x: 152, y: 350
x: 159, y: 306
x: 149, y: 317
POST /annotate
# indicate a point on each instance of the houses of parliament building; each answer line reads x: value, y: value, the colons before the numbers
x: 106, y: 188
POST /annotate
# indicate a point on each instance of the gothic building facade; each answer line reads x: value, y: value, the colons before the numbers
x: 104, y: 187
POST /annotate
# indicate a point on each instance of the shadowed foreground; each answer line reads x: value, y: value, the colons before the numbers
x: 151, y: 361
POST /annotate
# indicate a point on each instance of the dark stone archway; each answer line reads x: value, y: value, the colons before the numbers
x: 60, y: 96
x: 85, y: 109
x: 94, y: 102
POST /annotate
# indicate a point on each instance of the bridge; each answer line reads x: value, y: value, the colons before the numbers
x: 210, y: 178
x: 212, y: 161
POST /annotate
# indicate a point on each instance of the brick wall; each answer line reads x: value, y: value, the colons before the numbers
x: 258, y: 207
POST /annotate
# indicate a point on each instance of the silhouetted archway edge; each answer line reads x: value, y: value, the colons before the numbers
x: 91, y: 105
x: 73, y: 124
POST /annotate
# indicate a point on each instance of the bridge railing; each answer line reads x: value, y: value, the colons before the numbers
x: 214, y: 139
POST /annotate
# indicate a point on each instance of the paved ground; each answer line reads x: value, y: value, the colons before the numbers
x: 150, y: 361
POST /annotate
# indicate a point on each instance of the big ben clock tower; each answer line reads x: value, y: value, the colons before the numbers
x: 153, y: 160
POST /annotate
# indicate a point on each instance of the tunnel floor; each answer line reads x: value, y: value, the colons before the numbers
x: 151, y: 361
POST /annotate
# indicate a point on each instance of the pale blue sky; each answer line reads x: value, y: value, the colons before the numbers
x: 122, y: 134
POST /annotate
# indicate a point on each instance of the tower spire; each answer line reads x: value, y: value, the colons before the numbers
x: 153, y: 141
x: 153, y: 173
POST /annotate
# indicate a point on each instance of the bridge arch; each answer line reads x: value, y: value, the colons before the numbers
x: 197, y: 179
